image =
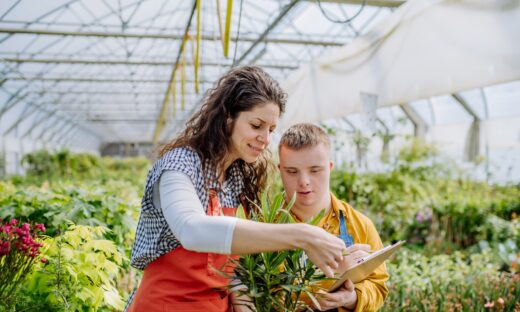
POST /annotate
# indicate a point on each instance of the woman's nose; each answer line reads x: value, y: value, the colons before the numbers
x: 265, y: 137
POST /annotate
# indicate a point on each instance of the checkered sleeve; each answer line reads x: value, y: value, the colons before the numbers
x: 153, y: 237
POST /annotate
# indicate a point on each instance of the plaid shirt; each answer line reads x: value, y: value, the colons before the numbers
x: 153, y: 237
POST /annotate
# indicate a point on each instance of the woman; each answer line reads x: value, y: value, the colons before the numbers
x: 218, y: 161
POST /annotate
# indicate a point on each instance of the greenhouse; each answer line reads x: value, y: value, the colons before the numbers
x: 416, y: 104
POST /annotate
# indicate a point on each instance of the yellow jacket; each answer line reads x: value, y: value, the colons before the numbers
x: 371, y: 292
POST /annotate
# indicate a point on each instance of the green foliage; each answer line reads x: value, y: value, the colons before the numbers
x: 79, y: 275
x: 420, y: 201
x: 44, y: 166
x: 449, y: 283
x: 93, y: 205
x: 276, y: 281
x: 50, y: 166
x: 424, y: 199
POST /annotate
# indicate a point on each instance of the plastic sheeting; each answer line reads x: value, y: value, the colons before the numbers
x: 424, y: 49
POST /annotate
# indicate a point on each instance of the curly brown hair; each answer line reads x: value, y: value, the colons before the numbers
x: 208, y: 131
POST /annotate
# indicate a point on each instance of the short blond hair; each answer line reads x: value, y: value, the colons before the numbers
x: 303, y: 135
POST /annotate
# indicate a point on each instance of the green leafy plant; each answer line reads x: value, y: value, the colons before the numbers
x: 85, y: 204
x: 276, y: 281
x: 454, y: 282
x: 79, y: 274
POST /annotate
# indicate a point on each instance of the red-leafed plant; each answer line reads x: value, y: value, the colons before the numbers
x: 19, y: 249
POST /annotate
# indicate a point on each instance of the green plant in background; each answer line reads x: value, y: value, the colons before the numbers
x: 361, y: 142
x: 422, y: 198
x: 276, y: 281
x: 114, y: 206
x: 450, y: 283
x: 422, y: 201
x: 79, y: 275
x: 84, y: 204
x: 46, y: 167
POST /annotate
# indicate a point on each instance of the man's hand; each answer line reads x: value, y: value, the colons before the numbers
x: 345, y: 297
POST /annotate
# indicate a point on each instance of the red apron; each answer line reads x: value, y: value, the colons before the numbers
x: 184, y: 280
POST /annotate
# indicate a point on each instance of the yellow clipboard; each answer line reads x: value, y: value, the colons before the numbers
x: 366, y: 266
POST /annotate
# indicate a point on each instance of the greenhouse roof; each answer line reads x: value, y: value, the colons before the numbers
x: 80, y: 74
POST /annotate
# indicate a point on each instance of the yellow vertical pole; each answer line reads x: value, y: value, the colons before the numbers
x: 173, y: 93
x: 183, y: 72
x: 197, y: 51
x: 228, y: 27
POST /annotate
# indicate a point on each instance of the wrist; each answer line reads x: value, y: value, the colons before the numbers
x: 351, y: 303
x: 301, y: 232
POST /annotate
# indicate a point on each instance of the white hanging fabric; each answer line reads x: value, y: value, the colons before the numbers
x: 424, y: 48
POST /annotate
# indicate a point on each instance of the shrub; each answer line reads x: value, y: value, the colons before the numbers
x: 78, y: 276
x: 449, y: 283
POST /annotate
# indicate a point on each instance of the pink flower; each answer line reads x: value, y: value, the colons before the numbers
x: 489, y: 305
x: 43, y: 260
x: 40, y: 227
x: 13, y: 222
x: 6, y: 228
x: 5, y: 247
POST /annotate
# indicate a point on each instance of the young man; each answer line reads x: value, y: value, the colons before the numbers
x: 305, y: 167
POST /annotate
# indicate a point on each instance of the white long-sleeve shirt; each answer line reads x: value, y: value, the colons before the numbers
x: 186, y: 217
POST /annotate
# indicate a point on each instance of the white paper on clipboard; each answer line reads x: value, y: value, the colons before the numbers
x: 364, y: 268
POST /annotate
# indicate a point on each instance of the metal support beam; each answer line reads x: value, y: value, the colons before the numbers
x: 39, y: 106
x: 38, y: 123
x: 91, y: 91
x: 307, y: 40
x: 263, y: 36
x: 56, y: 125
x: 349, y: 123
x: 465, y: 105
x: 28, y: 111
x: 123, y: 120
x: 281, y: 65
x: 472, y: 146
x: 161, y: 120
x: 96, y: 80
x: 47, y: 129
x: 420, y: 127
x: 78, y: 79
x: 52, y: 137
x: 68, y: 138
x: 12, y: 101
x: 377, y: 3
x: 64, y: 133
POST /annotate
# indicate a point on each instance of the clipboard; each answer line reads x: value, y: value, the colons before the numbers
x: 366, y: 266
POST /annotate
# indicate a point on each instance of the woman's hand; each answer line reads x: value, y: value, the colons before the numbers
x: 323, y: 249
x: 241, y: 303
x: 352, y: 255
x: 345, y: 297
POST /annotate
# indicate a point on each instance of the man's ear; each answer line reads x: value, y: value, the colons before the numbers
x: 278, y: 166
x: 331, y: 165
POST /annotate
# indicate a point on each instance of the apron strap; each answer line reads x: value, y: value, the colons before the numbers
x: 343, y: 232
